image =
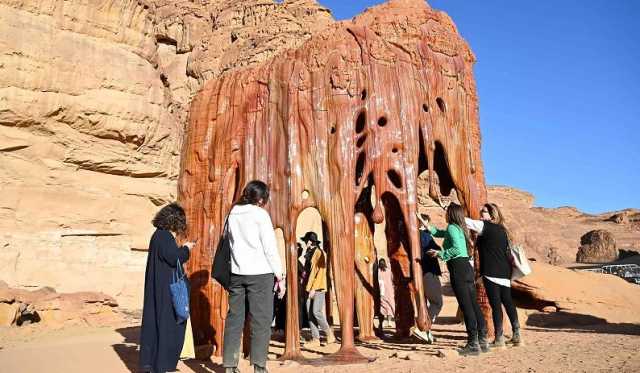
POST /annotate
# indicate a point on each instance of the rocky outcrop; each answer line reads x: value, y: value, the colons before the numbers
x: 93, y: 101
x: 553, y: 234
x: 605, y: 297
x: 597, y: 246
x: 51, y: 309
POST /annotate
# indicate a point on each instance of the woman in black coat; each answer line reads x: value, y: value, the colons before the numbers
x: 161, y: 335
x: 495, y: 268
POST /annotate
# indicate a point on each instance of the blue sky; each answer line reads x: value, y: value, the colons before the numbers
x: 559, y: 89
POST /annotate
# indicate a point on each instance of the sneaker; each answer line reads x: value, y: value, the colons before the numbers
x: 471, y: 349
x: 498, y: 343
x: 423, y: 336
x: 516, y: 340
x: 331, y: 338
x: 431, y: 338
x: 314, y: 343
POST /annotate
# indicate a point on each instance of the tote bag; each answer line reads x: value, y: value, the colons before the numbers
x: 221, y: 267
x: 519, y: 262
x: 179, y: 289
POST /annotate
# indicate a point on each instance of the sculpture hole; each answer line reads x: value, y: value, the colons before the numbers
x: 363, y: 95
x: 394, y: 178
x: 360, y: 167
x: 361, y: 140
x: 442, y: 169
x: 382, y: 121
x: 394, y: 150
x: 333, y: 129
x: 425, y: 107
x: 361, y: 121
x: 441, y: 104
x: 423, y: 162
x: 305, y: 194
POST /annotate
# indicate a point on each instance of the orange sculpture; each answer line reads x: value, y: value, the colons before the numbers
x: 370, y: 102
x: 364, y: 284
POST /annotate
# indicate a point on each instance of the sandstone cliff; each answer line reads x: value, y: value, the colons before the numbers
x: 94, y: 97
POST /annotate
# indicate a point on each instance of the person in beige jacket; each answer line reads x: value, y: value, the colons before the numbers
x: 316, y: 289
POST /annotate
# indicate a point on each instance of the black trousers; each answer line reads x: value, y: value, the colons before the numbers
x: 464, y: 288
x: 498, y: 296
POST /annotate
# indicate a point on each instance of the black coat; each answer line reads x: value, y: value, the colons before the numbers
x: 161, y: 337
x: 429, y: 264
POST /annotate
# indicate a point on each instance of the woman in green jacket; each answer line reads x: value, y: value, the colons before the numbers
x: 454, y: 253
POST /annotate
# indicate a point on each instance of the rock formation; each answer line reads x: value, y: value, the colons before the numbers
x: 597, y: 246
x: 606, y: 297
x: 540, y: 229
x: 374, y: 101
x: 93, y: 100
x: 46, y: 306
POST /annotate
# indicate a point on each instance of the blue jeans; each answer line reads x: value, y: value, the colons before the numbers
x: 315, y: 310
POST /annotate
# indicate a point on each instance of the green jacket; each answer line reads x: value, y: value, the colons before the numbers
x: 454, y: 245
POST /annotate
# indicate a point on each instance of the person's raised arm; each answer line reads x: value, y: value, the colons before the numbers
x: 169, y: 250
x: 474, y: 225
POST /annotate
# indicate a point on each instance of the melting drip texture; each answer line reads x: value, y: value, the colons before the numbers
x: 292, y: 122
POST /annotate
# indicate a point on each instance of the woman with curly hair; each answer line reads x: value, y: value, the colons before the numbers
x: 161, y: 336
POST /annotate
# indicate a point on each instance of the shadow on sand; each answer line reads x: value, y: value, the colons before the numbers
x: 128, y: 352
x: 578, y: 323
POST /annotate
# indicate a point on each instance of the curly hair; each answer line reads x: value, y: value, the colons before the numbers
x: 171, y: 218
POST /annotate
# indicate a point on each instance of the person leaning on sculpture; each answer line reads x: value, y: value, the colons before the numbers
x: 254, y: 263
x: 454, y: 253
x: 430, y: 273
x: 316, y: 289
x: 161, y: 336
x: 495, y: 269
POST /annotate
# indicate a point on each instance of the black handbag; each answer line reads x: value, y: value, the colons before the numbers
x: 221, y: 267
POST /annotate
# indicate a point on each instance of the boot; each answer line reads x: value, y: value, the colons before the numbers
x: 471, y: 349
x: 258, y: 369
x: 231, y: 370
x: 516, y: 340
x: 483, y: 342
x: 498, y: 343
x: 331, y: 338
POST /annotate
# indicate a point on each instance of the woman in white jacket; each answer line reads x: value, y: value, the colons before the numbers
x: 254, y: 264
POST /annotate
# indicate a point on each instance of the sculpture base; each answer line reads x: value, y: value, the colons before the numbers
x: 344, y: 356
x: 292, y: 355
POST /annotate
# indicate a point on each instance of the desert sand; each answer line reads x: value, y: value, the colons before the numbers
x: 551, y: 346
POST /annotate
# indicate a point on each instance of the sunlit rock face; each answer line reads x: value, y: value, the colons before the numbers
x: 363, y: 107
x: 94, y: 97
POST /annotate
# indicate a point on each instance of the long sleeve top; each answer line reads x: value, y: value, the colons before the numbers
x: 493, y: 246
x: 454, y: 245
x: 254, y: 250
x: 318, y: 273
x: 428, y: 264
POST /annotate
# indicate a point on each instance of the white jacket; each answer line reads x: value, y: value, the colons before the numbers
x: 254, y: 250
